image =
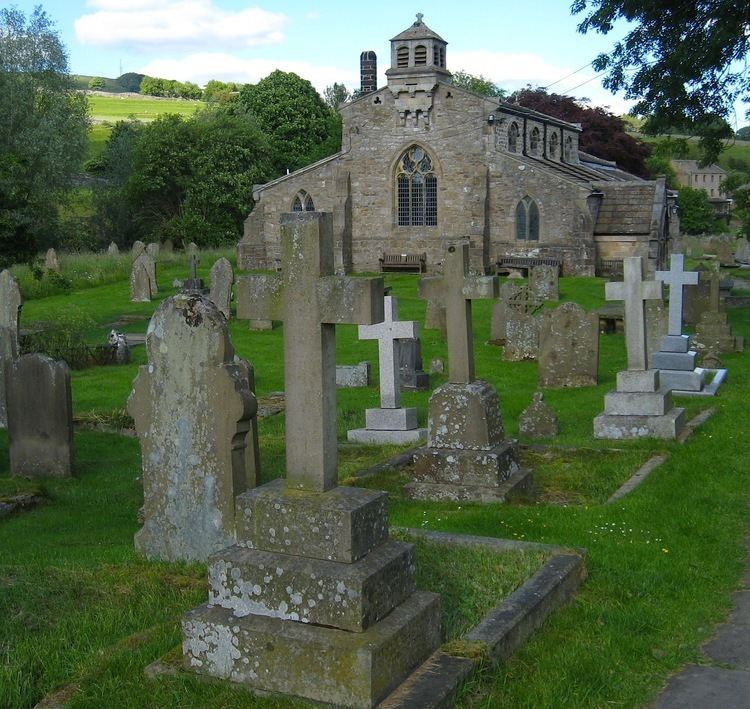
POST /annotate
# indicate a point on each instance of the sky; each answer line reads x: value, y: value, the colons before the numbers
x: 511, y: 43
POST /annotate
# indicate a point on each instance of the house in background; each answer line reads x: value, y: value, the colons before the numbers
x: 709, y: 179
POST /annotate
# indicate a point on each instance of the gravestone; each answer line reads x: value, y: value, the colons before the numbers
x: 140, y: 283
x: 521, y: 335
x: 569, y: 348
x: 696, y: 298
x: 193, y: 284
x: 152, y: 249
x: 40, y: 417
x: 638, y: 408
x: 353, y: 376
x: 538, y: 420
x: 192, y: 249
x: 437, y: 366
x: 467, y: 456
x: 50, y: 261
x: 508, y: 296
x: 137, y: 249
x: 725, y: 253
x: 544, y: 283
x: 434, y: 318
x: 113, y: 249
x: 742, y: 250
x: 167, y: 247
x: 391, y: 423
x: 222, y: 280
x: 657, y: 325
x: 10, y: 309
x: 314, y: 600
x: 713, y: 331
x: 194, y: 411
x: 412, y: 375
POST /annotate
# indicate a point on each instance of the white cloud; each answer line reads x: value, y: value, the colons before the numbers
x: 202, y: 67
x: 515, y: 71
x: 177, y: 23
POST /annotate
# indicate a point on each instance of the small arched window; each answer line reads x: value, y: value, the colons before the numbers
x: 554, y: 143
x: 303, y: 202
x: 527, y: 220
x: 513, y: 138
x: 534, y: 141
x: 420, y: 55
x: 416, y: 189
x: 569, y: 149
x: 402, y: 57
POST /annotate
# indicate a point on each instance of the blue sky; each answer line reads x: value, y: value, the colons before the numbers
x: 513, y: 43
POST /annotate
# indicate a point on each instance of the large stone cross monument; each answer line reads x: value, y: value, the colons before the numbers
x: 467, y: 456
x: 314, y: 600
x: 638, y: 408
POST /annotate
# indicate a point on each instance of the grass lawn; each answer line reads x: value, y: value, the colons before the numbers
x: 83, y: 612
x: 143, y: 108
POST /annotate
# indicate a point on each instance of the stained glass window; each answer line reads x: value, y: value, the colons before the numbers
x: 416, y: 189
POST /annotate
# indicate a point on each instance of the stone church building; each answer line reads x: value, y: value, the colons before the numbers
x: 423, y: 162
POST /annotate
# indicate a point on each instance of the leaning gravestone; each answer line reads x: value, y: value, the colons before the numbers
x: 638, y: 408
x: 222, y: 280
x: 544, y: 283
x: 742, y: 251
x: 113, y: 249
x: 538, y: 420
x: 50, y: 261
x: 194, y: 412
x: 10, y: 308
x: 140, y: 283
x: 391, y: 423
x: 467, y: 456
x: 314, y: 586
x: 569, y: 348
x: 40, y: 417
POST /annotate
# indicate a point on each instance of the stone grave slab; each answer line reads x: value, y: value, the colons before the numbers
x: 538, y: 420
x: 742, y: 250
x: 194, y: 284
x: 152, y: 249
x: 544, y: 283
x: 50, y: 261
x: 113, y: 249
x: 353, y: 376
x: 412, y: 375
x: 568, y: 348
x: 222, y: 280
x: 522, y: 332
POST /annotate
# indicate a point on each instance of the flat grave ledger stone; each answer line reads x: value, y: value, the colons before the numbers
x: 544, y: 282
x: 569, y: 348
x: 113, y: 249
x: 467, y: 456
x: 391, y: 423
x: 10, y: 309
x: 314, y: 583
x: 222, y: 280
x: 538, y: 420
x: 638, y: 408
x: 411, y: 372
x: 40, y: 417
x: 50, y: 261
x: 194, y: 411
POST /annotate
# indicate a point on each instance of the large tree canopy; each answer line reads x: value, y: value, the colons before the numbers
x: 683, y: 62
x: 478, y: 84
x: 42, y: 131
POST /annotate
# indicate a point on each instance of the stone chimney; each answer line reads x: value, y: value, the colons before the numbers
x: 368, y: 71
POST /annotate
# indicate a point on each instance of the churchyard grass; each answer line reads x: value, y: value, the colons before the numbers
x: 662, y: 561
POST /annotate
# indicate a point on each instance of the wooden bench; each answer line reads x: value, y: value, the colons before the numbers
x: 524, y: 263
x: 404, y: 262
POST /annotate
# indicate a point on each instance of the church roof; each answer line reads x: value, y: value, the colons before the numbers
x: 419, y: 30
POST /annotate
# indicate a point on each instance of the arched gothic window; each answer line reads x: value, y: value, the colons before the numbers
x: 554, y: 143
x: 527, y: 220
x: 420, y: 55
x: 569, y: 149
x: 402, y: 57
x: 534, y: 141
x: 416, y: 189
x: 513, y: 138
x: 303, y: 202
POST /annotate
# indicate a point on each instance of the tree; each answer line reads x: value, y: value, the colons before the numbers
x: 130, y: 81
x: 478, y: 84
x: 335, y: 95
x: 737, y: 186
x: 743, y: 133
x: 683, y: 62
x: 43, y: 133
x: 220, y: 91
x: 603, y: 135
x: 697, y: 216
x: 96, y: 83
x: 294, y: 116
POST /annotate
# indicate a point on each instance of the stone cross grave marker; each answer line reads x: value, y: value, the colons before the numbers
x: 456, y: 288
x: 634, y: 291
x: 222, y: 278
x: 311, y: 301
x: 10, y: 307
x: 676, y: 277
x: 193, y: 283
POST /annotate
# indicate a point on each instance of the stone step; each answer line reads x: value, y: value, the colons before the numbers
x: 322, y: 664
x: 467, y: 467
x: 621, y: 403
x: 681, y: 381
x: 684, y: 361
x: 625, y: 427
x: 346, y: 596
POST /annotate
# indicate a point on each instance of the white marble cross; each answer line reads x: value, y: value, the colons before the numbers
x: 310, y: 300
x: 387, y: 334
x: 455, y: 289
x: 634, y: 291
x: 676, y: 278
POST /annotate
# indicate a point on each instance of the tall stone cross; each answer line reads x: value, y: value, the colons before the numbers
x: 310, y: 300
x: 676, y: 277
x: 387, y: 333
x: 634, y: 291
x: 455, y: 289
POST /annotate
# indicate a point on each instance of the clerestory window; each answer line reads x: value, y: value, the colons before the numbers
x: 527, y: 220
x: 303, y: 202
x: 416, y: 189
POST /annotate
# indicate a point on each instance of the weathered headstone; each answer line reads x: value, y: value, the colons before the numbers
x: 696, y: 299
x: 309, y: 550
x: 152, y: 249
x: 569, y: 348
x: 434, y: 318
x: 194, y: 411
x: 725, y: 253
x: 192, y: 249
x: 521, y: 335
x: 638, y: 408
x: 40, y: 417
x: 713, y: 331
x: 507, y: 297
x: 467, y: 455
x: 742, y: 250
x: 167, y: 246
x: 413, y: 377
x: 140, y: 283
x: 437, y: 366
x: 193, y: 284
x: 657, y: 325
x: 544, y: 282
x: 137, y: 249
x: 391, y: 423
x: 50, y: 261
x: 113, y: 249
x: 222, y: 280
x: 538, y: 420
x: 353, y: 376
x: 10, y: 308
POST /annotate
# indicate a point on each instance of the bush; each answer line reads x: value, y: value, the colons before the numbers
x: 63, y: 338
x: 697, y: 216
x: 96, y: 83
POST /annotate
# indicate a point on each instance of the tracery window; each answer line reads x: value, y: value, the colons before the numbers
x: 534, y: 141
x: 303, y: 202
x: 513, y: 138
x: 527, y: 220
x: 416, y: 189
x: 402, y: 57
x: 554, y: 143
